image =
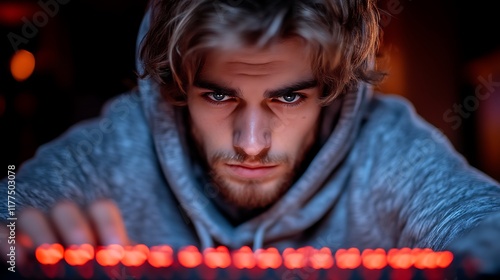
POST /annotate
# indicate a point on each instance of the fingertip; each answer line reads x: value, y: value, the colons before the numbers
x: 72, y: 224
x: 108, y: 222
x: 34, y: 224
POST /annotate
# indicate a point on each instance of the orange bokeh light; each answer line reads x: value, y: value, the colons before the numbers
x: 135, y: 255
x: 161, y: 256
x: 49, y: 253
x: 425, y: 258
x: 109, y: 255
x: 218, y: 257
x: 22, y: 65
x: 374, y: 259
x: 401, y: 258
x: 296, y: 258
x: 268, y: 258
x: 321, y: 259
x: 348, y: 259
x: 79, y: 254
x: 189, y: 257
x: 244, y: 258
x: 444, y: 259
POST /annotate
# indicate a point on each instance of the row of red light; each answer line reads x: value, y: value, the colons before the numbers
x: 244, y: 258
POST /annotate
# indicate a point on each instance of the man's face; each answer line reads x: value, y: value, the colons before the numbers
x: 254, y: 115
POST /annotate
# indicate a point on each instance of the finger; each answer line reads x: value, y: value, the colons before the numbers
x: 108, y: 223
x: 33, y: 223
x: 71, y: 224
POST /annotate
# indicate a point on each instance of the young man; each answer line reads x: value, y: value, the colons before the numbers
x: 254, y: 123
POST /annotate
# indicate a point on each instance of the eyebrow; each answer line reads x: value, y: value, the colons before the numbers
x: 226, y: 90
x: 217, y: 88
x: 298, y: 86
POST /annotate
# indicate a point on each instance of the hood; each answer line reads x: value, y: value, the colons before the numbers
x: 307, y: 200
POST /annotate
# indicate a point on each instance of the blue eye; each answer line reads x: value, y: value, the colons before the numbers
x: 218, y: 97
x: 289, y: 97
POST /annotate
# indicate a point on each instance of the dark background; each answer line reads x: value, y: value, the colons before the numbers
x: 435, y: 53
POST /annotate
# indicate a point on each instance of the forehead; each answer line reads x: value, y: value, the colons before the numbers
x: 285, y: 58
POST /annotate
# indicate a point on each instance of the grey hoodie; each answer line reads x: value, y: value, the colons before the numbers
x: 383, y: 177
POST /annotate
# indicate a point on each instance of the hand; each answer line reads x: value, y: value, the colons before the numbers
x: 100, y: 224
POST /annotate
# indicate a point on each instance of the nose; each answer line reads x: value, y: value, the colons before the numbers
x: 252, y: 133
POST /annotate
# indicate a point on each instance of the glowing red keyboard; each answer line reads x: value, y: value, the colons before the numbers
x: 162, y: 262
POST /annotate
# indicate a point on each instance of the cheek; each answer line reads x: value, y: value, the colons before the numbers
x: 209, y: 129
x: 298, y: 133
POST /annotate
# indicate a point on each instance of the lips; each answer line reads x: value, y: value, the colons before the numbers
x: 252, y: 171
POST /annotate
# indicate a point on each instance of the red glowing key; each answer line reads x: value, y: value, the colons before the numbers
x: 348, y: 259
x: 321, y: 259
x: 49, y: 253
x: 295, y: 258
x: 431, y: 260
x: 401, y: 258
x: 424, y: 258
x: 244, y: 258
x: 268, y: 258
x: 189, y: 257
x: 135, y: 255
x: 79, y: 254
x: 444, y: 259
x: 374, y: 259
x: 109, y: 255
x: 217, y: 257
x: 161, y: 256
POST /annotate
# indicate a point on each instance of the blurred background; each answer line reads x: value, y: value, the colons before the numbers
x: 60, y: 60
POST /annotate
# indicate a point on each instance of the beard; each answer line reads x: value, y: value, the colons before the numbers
x: 250, y: 193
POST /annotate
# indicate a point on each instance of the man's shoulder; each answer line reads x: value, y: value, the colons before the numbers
x: 395, y: 116
x: 389, y: 107
x: 121, y: 117
x: 120, y: 130
x: 393, y: 128
x: 122, y: 112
